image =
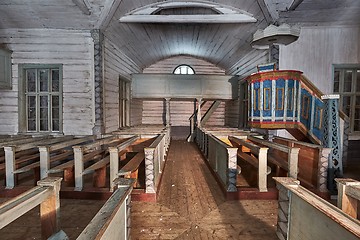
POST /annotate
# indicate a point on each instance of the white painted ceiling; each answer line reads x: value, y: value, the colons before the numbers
x: 222, y: 44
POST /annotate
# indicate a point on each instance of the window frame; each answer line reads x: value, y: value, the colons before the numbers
x: 22, y: 102
x: 187, y: 67
x: 352, y: 94
x: 5, y: 69
x: 124, y: 102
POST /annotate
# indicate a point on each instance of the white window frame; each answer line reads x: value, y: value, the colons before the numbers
x: 342, y: 68
x: 184, y: 69
x: 124, y: 103
x: 23, y: 98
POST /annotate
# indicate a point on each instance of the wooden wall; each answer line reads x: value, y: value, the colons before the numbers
x: 248, y: 64
x: 218, y: 117
x: 232, y: 113
x: 71, y: 48
x: 136, y: 106
x: 153, y: 112
x: 318, y: 48
x: 116, y: 65
x: 180, y: 110
x: 168, y: 65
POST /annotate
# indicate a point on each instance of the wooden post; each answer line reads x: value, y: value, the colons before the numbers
x: 198, y: 116
x: 293, y: 160
x: 114, y: 166
x: 79, y: 167
x: 50, y: 208
x: 167, y: 103
x: 262, y: 170
x: 149, y: 170
x: 232, y: 169
x: 44, y: 161
x: 99, y: 177
x: 10, y: 167
x: 323, y: 164
x: 283, y: 206
x: 345, y: 202
x: 69, y: 176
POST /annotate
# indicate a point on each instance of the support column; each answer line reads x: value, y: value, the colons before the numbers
x: 50, y: 208
x: 97, y: 36
x: 198, y: 115
x: 274, y: 55
x: 167, y: 103
x: 331, y: 138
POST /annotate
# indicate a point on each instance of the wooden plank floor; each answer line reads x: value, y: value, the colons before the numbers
x: 192, y: 206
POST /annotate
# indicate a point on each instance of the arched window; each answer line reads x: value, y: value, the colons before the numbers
x: 184, y: 69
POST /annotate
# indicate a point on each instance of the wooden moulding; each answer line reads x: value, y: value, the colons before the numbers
x: 260, y: 162
x: 47, y: 195
x: 348, y: 196
x: 111, y: 222
x: 332, y: 223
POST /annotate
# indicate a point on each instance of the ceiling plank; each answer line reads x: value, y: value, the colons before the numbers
x: 107, y: 13
x: 84, y: 7
x: 211, y: 18
x: 265, y: 10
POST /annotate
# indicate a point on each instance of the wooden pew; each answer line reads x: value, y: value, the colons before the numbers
x: 47, y: 155
x: 282, y: 156
x: 155, y: 156
x: 257, y: 158
x: 313, y: 163
x: 99, y: 167
x: 221, y: 157
x: 348, y: 196
x: 12, y: 164
x: 112, y: 222
x: 46, y: 194
x: 304, y: 215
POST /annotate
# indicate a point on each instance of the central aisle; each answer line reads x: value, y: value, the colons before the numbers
x: 192, y: 206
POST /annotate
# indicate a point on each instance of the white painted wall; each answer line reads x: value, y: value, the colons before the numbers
x: 318, y: 48
x: 168, y: 65
x: 116, y: 64
x: 73, y: 49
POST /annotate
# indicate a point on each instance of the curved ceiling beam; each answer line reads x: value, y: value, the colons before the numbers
x: 226, y: 14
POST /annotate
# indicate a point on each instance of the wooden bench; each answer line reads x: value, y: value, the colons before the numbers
x: 99, y: 167
x: 46, y: 194
x: 282, y: 156
x: 12, y: 163
x: 348, y: 196
x: 155, y: 160
x: 52, y: 153
x: 112, y: 221
x: 257, y: 158
x: 304, y: 215
x: 312, y: 163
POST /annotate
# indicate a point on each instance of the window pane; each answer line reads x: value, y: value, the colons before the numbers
x: 357, y: 125
x: 31, y: 80
x: 346, y: 105
x: 44, y: 80
x: 55, y: 80
x: 336, y: 81
x: 31, y: 107
x: 55, y: 101
x: 358, y: 80
x: 31, y: 125
x: 55, y: 125
x: 357, y: 108
x: 44, y: 101
x: 44, y: 125
x: 55, y: 113
x: 347, y: 81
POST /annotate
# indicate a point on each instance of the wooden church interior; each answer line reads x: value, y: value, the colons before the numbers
x: 153, y: 119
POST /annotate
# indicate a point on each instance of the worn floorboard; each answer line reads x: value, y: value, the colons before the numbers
x: 192, y: 206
